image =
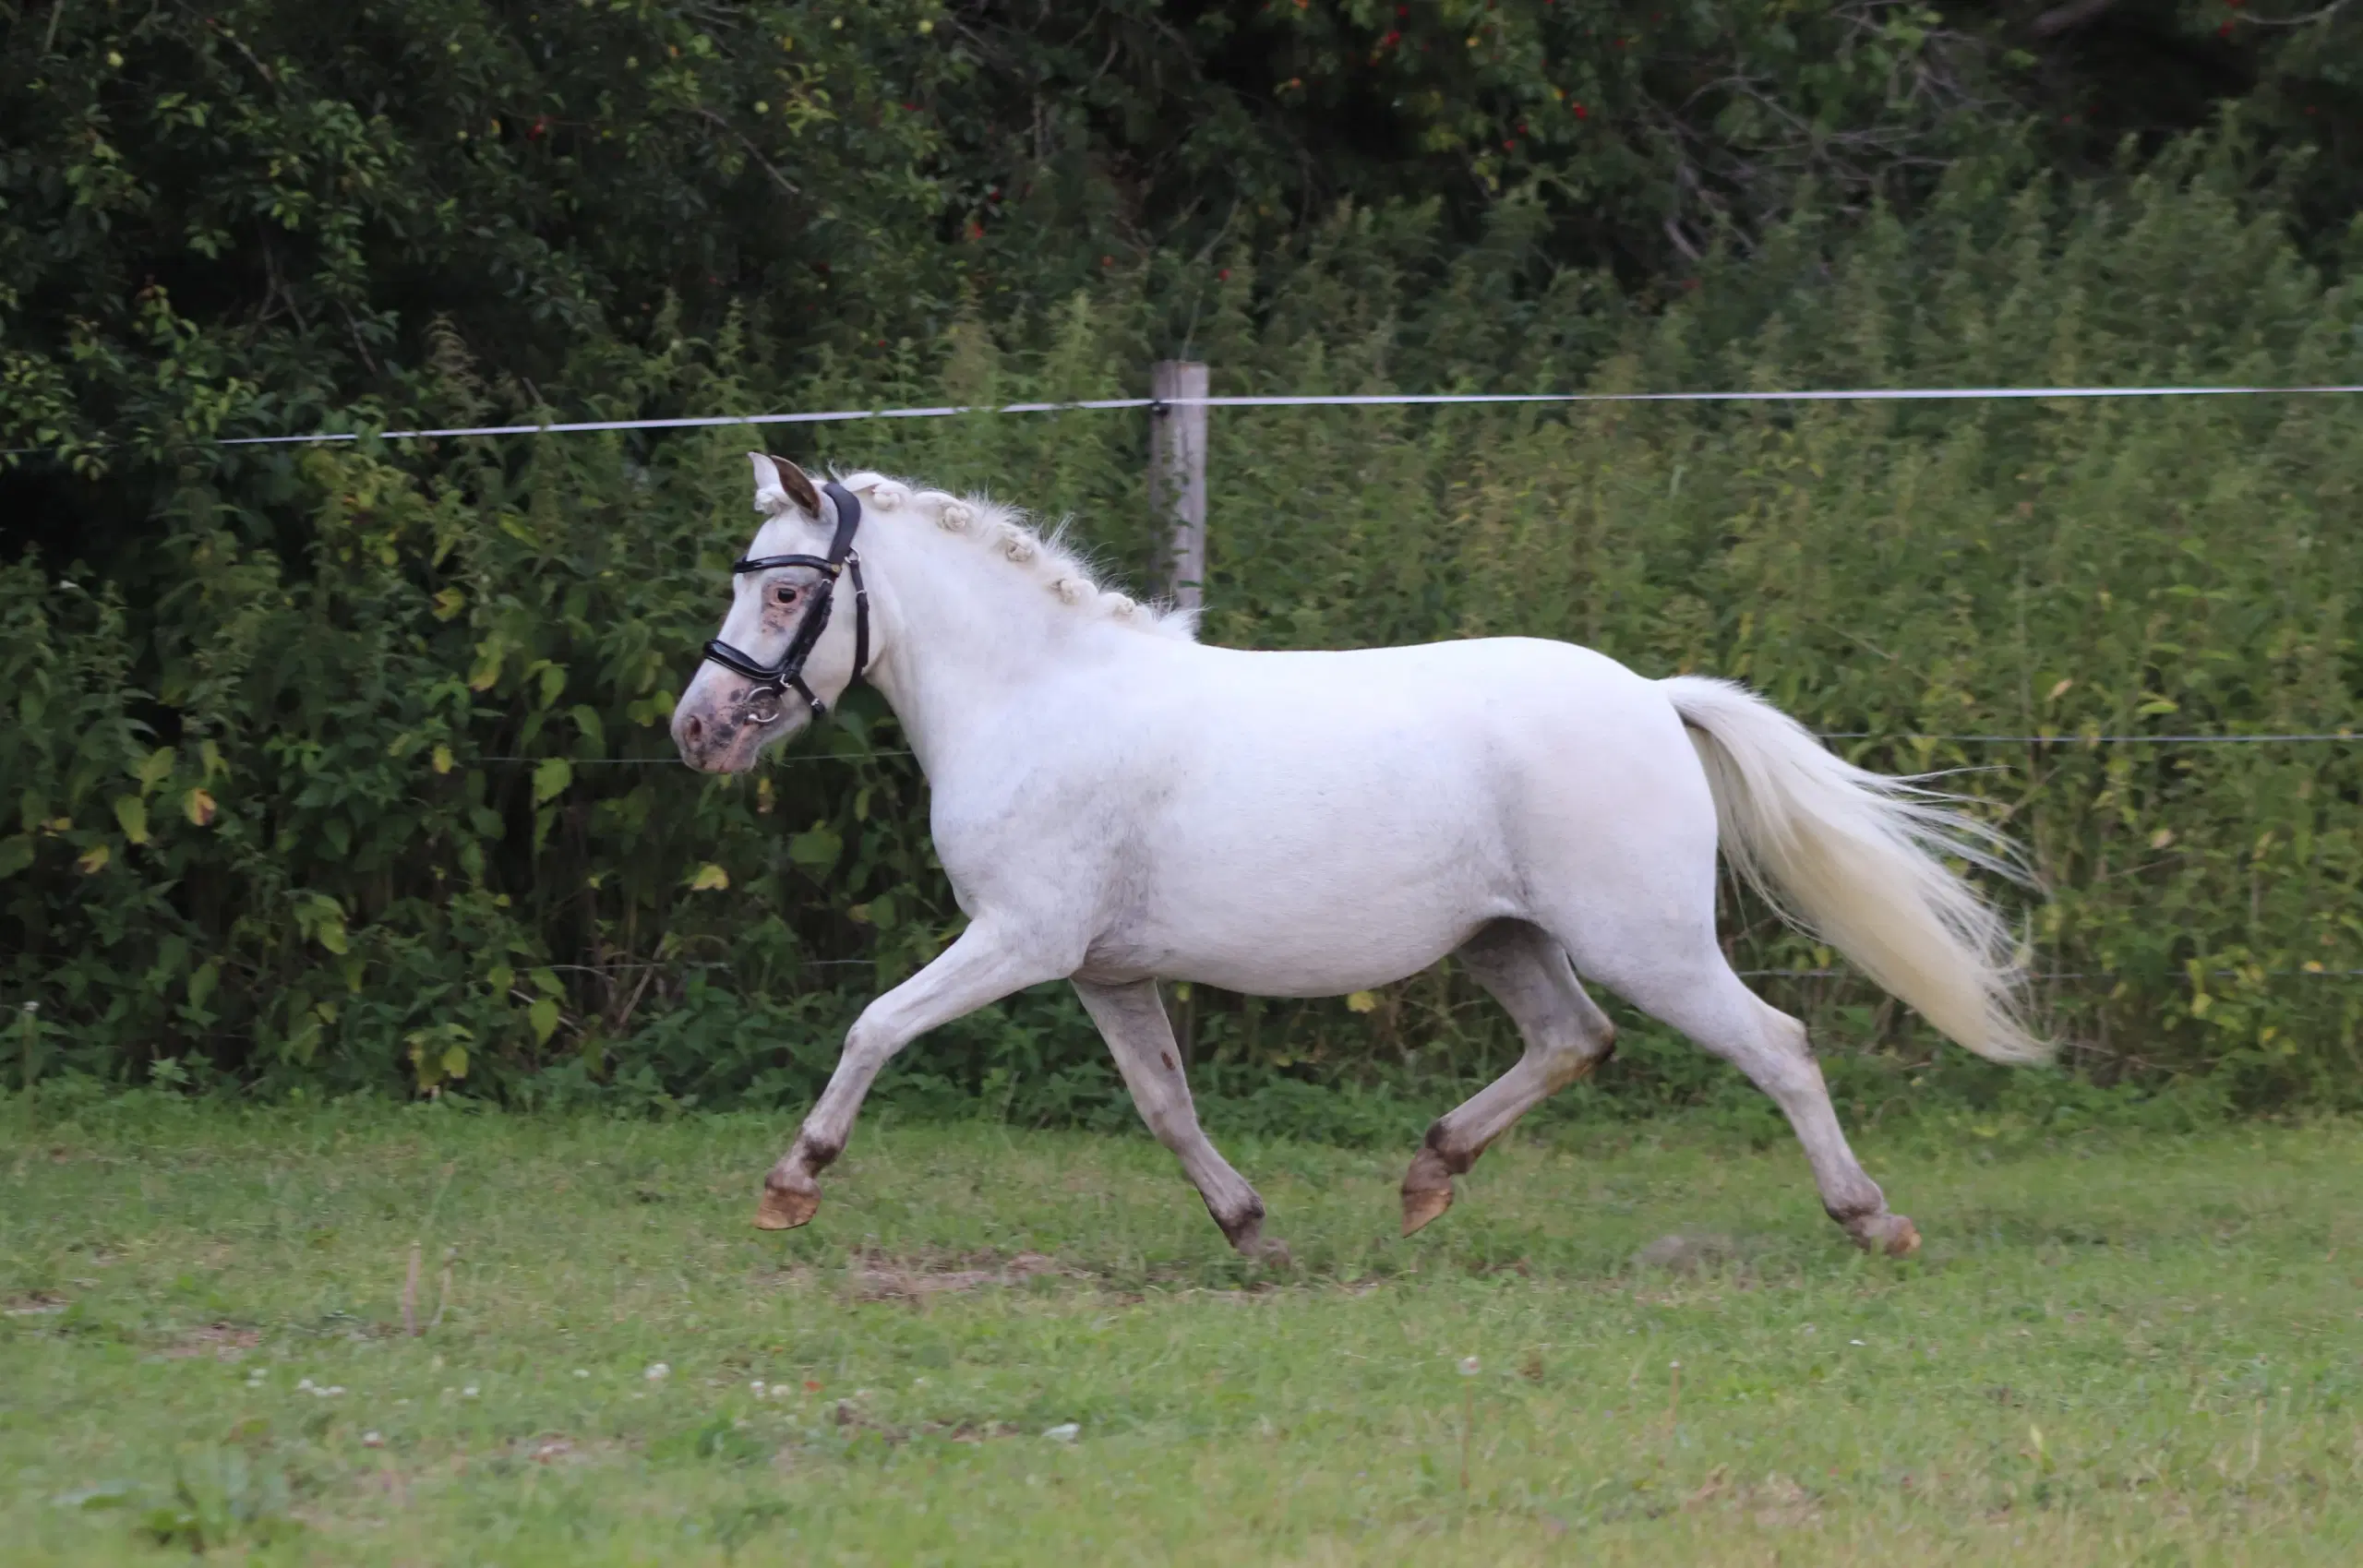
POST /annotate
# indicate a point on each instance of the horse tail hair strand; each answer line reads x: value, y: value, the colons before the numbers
x: 1857, y: 859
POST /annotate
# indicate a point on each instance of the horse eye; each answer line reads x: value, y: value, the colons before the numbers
x: 785, y: 594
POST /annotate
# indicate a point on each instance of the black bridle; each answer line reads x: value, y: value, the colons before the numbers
x: 775, y: 681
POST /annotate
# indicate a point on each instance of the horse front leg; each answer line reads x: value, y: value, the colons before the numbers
x: 985, y: 965
x: 1132, y: 1020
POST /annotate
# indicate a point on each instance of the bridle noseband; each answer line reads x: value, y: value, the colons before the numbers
x: 775, y: 681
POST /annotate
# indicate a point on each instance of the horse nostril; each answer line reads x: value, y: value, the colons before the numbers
x: 693, y: 729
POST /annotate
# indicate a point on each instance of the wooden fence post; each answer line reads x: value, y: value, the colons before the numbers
x: 1177, y: 496
x: 1177, y: 475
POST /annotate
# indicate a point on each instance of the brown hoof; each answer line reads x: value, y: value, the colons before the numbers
x: 783, y: 1210
x: 1273, y: 1252
x: 1427, y: 1190
x: 1892, y: 1234
x: 1248, y: 1237
x: 1419, y: 1208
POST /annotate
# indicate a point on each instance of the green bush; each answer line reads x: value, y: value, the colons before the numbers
x: 362, y: 782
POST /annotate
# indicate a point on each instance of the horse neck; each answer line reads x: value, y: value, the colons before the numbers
x: 964, y: 632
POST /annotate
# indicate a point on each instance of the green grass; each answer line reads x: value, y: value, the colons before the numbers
x: 2115, y: 1348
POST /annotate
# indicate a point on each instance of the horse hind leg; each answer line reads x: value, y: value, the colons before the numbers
x: 1567, y: 1036
x: 1703, y: 999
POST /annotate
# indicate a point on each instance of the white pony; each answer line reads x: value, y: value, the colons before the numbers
x: 1116, y: 803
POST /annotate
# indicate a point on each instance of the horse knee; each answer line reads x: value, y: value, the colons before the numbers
x: 870, y: 1044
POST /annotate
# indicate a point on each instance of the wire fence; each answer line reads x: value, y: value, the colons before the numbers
x: 1275, y: 399
x: 1296, y: 400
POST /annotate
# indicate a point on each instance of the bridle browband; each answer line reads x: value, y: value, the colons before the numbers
x: 777, y: 681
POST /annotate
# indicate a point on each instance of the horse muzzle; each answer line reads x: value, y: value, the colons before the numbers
x: 722, y: 733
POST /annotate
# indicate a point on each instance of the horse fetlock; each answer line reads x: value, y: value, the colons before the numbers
x: 1243, y: 1226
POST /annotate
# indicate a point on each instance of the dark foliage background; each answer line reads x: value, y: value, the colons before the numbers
x: 343, y: 768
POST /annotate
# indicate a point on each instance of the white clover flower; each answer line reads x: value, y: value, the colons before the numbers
x: 469, y: 1391
x: 657, y: 1371
x: 373, y: 1440
x: 1065, y: 1432
x: 756, y: 1388
x: 1469, y: 1367
x: 581, y: 1373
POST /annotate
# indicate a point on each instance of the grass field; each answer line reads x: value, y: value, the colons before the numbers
x: 2114, y: 1349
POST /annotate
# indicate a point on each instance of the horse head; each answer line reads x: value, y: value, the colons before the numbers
x: 788, y: 647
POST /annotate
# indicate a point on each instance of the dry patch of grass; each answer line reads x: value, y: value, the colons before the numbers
x: 880, y: 1277
x: 223, y: 1341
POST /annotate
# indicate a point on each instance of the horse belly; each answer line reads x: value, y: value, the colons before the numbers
x: 1313, y: 960
x: 1311, y: 901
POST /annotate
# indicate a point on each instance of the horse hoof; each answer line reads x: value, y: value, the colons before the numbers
x: 1892, y: 1234
x: 1427, y: 1190
x: 784, y: 1209
x: 1247, y: 1237
x: 1419, y: 1208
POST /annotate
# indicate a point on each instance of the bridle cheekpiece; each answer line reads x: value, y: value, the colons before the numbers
x: 774, y: 682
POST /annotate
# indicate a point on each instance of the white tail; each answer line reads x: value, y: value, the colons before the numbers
x: 1854, y: 857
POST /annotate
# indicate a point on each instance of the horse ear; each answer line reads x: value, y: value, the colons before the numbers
x: 799, y: 486
x: 779, y: 484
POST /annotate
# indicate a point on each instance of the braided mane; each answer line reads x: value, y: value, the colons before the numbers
x: 1008, y: 532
